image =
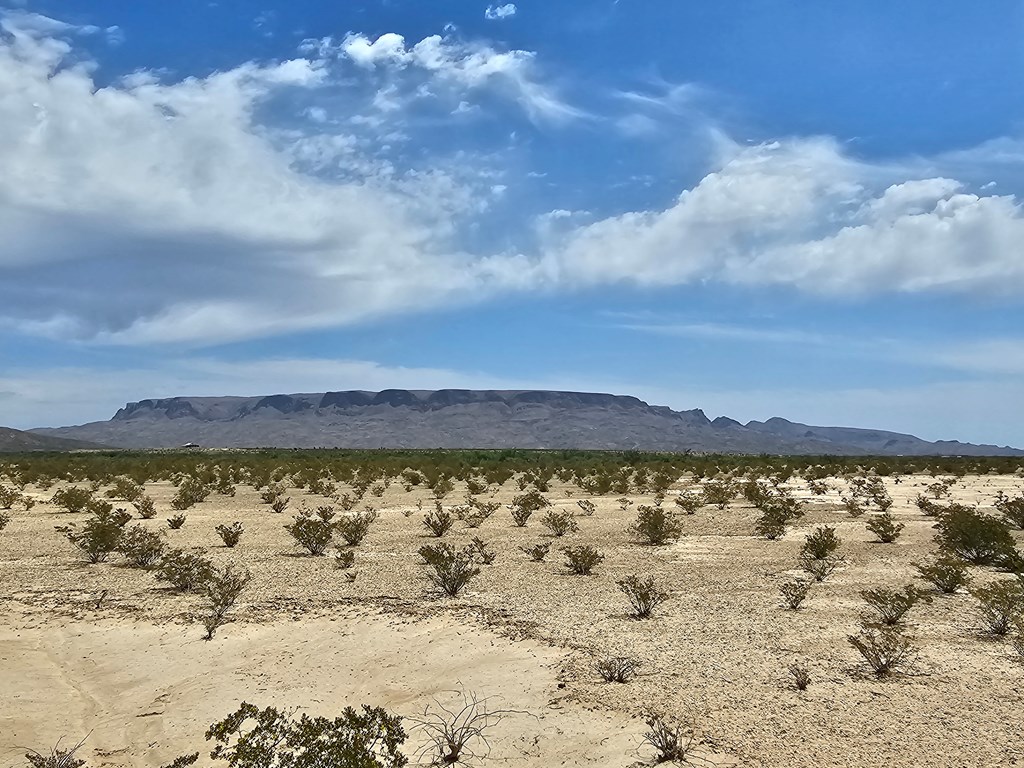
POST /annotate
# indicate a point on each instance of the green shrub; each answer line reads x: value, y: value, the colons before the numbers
x: 719, y: 493
x: 1002, y: 603
x: 582, y: 560
x: 450, y: 569
x: 771, y: 524
x: 479, y: 549
x: 222, y: 588
x: 4, y: 520
x: 885, y: 649
x: 8, y: 497
x: 192, y: 491
x: 438, y: 522
x: 891, y: 604
x: 1012, y: 509
x: 560, y: 522
x: 643, y: 595
x: 354, y: 527
x: 72, y: 499
x: 655, y: 526
x: 314, y: 534
x: 819, y: 569
x: 267, y: 738
x: 885, y: 527
x: 795, y: 592
x: 99, y: 535
x: 184, y: 571
x: 689, y: 502
x: 230, y: 534
x: 973, y: 536
x: 344, y: 558
x: 947, y: 573
x: 124, y: 488
x: 525, y: 504
x: 537, y: 552
x: 821, y: 543
x: 176, y: 521
x: 145, y: 506
x: 141, y: 546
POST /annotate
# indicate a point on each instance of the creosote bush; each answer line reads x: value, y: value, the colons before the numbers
x: 974, y: 536
x: 795, y: 592
x: 99, y: 535
x: 891, y: 604
x: 192, y: 491
x: 140, y: 546
x: 560, y: 522
x: 820, y: 544
x: 344, y: 558
x: 689, y: 502
x: 643, y: 595
x: 1012, y: 509
x: 311, y: 532
x: 885, y: 527
x: 525, y: 504
x: 582, y: 559
x: 719, y: 493
x: 1001, y: 604
x: 671, y: 739
x: 72, y: 499
x: 478, y: 548
x: 537, y: 552
x: 819, y: 569
x: 222, y: 588
x: 947, y: 573
x: 354, y: 527
x: 885, y: 649
x: 656, y: 526
x: 616, y: 669
x: 145, y: 506
x: 184, y: 571
x: 450, y: 569
x: 175, y: 522
x: 230, y: 534
x: 438, y: 522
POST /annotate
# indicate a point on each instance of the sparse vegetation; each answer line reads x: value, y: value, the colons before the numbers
x: 582, y: 560
x: 616, y: 669
x: 655, y: 525
x: 140, y: 546
x: 974, y: 536
x: 450, y: 569
x: 354, y: 527
x: 643, y: 595
x: 794, y: 593
x: 99, y: 535
x: 174, y: 522
x: 537, y: 552
x: 560, y: 522
x: 230, y: 534
x: 947, y: 573
x: 311, y: 532
x: 892, y: 604
x: 439, y: 521
x: 184, y: 571
x: 222, y: 588
x: 820, y: 544
x: 885, y: 527
x: 671, y: 739
x: 1001, y: 604
x: 885, y: 649
x: 801, y: 676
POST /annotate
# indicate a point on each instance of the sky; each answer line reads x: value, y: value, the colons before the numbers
x: 755, y: 207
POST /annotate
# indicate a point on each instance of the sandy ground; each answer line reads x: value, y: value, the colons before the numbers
x: 135, y: 672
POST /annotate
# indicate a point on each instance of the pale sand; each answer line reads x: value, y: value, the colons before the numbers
x: 136, y: 674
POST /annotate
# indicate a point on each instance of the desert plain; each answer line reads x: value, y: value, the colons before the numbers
x: 106, y: 653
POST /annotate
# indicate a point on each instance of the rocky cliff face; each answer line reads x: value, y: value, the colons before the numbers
x: 461, y: 418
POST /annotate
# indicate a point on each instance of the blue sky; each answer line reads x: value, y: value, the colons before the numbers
x: 755, y: 208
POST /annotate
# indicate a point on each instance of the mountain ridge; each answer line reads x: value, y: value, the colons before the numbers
x: 464, y: 418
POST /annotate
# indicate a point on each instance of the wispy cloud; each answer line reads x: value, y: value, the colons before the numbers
x: 498, y: 12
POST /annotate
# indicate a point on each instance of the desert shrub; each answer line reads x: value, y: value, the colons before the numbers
x: 817, y: 487
x: 479, y: 549
x: 175, y: 522
x: 885, y: 527
x: 441, y: 487
x: 801, y: 676
x: 377, y: 489
x: 475, y: 486
x: 795, y: 592
x: 438, y: 522
x: 280, y: 504
x: 344, y: 558
x: 755, y: 491
x: 72, y: 499
x: 450, y: 569
x: 927, y: 506
x: 940, y: 488
x: 267, y: 738
x: 311, y: 532
x: 140, y: 546
x: 655, y: 525
x: 8, y: 497
x: 771, y: 525
x: 1018, y: 640
x: 671, y: 739
x: 891, y: 604
x: 616, y: 669
x: 124, y: 488
x: 643, y: 595
x: 1001, y: 603
x: 587, y: 507
x: 537, y: 552
x: 4, y: 520
x: 230, y: 534
x: 885, y: 649
x: 819, y: 569
x: 560, y: 522
x: 192, y: 491
x: 625, y: 504
x: 525, y: 504
x: 719, y: 493
x: 947, y: 573
x: 145, y: 506
x: 271, y: 493
x: 689, y: 502
x: 56, y: 757
x: 222, y: 588
x: 99, y: 535
x: 1011, y: 560
x: 354, y: 527
x: 1012, y: 509
x: 456, y: 733
x: 853, y: 505
x: 821, y: 543
x: 582, y: 560
x: 184, y: 571
x: 973, y: 536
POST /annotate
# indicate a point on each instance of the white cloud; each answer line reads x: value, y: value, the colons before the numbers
x: 496, y: 12
x: 802, y: 214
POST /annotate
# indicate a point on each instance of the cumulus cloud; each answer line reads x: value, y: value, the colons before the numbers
x: 498, y: 12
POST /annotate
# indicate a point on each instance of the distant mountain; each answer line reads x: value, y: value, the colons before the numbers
x: 460, y: 418
x: 16, y: 441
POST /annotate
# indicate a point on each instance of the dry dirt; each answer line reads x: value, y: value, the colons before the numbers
x: 131, y: 671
